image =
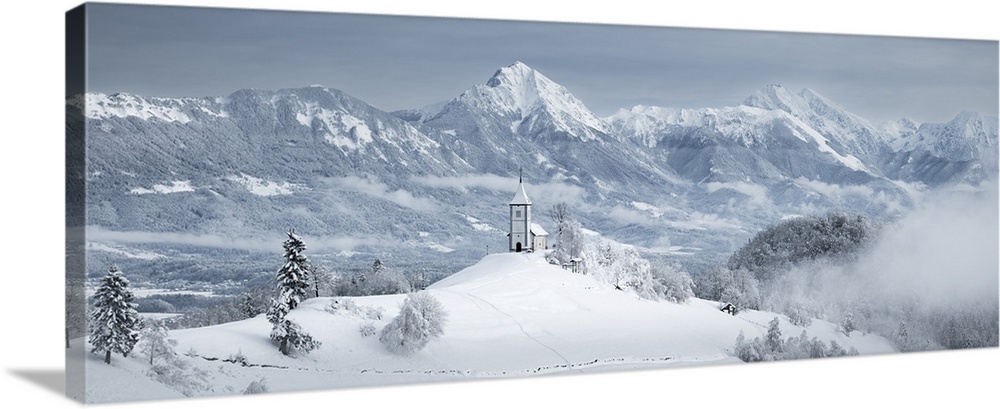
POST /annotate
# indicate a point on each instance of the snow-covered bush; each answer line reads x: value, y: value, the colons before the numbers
x: 348, y: 306
x: 255, y: 387
x: 368, y: 329
x: 154, y: 341
x: 178, y: 374
x: 238, y: 358
x: 421, y: 319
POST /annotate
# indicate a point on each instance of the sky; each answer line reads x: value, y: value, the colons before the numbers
x: 395, y: 62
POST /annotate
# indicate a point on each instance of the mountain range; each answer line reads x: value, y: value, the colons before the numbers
x: 183, y: 177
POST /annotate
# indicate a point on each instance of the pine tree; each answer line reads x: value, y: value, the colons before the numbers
x: 848, y: 323
x: 249, y: 307
x: 293, y: 277
x: 114, y: 322
x: 774, y: 342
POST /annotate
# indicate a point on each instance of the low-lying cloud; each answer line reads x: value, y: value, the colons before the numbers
x: 381, y: 190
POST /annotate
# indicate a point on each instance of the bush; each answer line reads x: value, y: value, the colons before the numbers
x: 421, y: 319
x: 368, y: 329
x: 255, y: 387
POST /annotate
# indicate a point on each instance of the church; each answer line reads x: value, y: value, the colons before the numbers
x: 524, y: 235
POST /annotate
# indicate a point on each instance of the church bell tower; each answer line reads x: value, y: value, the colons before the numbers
x: 520, y: 220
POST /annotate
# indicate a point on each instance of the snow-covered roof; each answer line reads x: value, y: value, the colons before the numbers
x: 538, y: 230
x: 520, y: 198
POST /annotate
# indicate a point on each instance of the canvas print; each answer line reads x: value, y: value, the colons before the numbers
x: 271, y: 201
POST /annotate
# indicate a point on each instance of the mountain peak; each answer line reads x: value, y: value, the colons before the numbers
x: 773, y: 96
x: 517, y: 75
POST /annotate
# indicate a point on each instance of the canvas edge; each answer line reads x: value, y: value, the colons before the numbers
x: 75, y: 307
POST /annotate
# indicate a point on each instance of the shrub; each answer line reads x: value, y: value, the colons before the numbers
x: 421, y: 319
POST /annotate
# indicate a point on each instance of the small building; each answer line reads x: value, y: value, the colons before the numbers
x: 729, y: 308
x: 524, y: 235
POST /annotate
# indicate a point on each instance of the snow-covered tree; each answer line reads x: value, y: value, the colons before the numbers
x: 249, y: 307
x: 421, y: 319
x: 289, y: 335
x: 292, y: 338
x: 114, y: 322
x: 774, y: 342
x: 293, y: 277
x: 154, y: 341
x: 737, y: 287
x: 671, y: 283
x: 568, y: 238
x: 847, y: 323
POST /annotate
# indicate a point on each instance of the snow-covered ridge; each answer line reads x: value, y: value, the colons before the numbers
x: 966, y: 137
x: 123, y: 105
x: 746, y: 125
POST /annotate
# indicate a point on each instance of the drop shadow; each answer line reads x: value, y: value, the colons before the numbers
x: 52, y: 379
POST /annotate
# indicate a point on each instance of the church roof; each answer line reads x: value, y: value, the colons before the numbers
x: 538, y: 230
x: 520, y: 198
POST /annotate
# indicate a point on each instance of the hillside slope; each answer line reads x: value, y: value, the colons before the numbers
x: 509, y: 315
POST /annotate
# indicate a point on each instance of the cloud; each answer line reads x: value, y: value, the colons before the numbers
x: 381, y: 190
x: 945, y: 251
x: 549, y: 192
x: 272, y: 243
x: 756, y: 193
x: 461, y: 183
x: 833, y: 190
x: 100, y: 234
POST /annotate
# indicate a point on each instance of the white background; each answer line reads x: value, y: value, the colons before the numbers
x: 31, y: 182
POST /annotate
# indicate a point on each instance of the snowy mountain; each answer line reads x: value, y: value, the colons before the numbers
x: 520, y: 118
x: 963, y: 149
x: 526, y: 102
x: 738, y: 144
x: 183, y: 177
x: 848, y: 134
x: 509, y: 315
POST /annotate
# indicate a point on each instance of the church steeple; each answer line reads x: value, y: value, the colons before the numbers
x: 520, y: 218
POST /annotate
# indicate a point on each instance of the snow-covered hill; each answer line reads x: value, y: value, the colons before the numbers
x: 508, y: 315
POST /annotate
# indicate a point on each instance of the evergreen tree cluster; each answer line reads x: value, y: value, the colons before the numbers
x: 378, y: 280
x: 801, y: 239
x: 773, y: 348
